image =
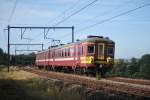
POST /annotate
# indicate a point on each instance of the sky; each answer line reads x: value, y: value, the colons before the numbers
x: 131, y: 32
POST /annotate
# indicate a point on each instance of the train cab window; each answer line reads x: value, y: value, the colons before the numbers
x: 90, y: 49
x: 101, y: 50
x: 110, y: 50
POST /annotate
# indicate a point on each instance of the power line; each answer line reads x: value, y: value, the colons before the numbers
x: 72, y: 6
x: 124, y: 3
x: 13, y: 11
x: 66, y: 10
x: 108, y: 19
x: 104, y: 13
x: 76, y: 12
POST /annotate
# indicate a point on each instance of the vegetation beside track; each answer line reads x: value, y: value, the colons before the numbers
x: 133, y: 68
x: 20, y: 85
x: 109, y: 89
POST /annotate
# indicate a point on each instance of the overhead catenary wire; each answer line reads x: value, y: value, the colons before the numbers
x: 106, y: 12
x: 76, y: 12
x: 124, y: 3
x: 73, y: 5
x: 63, y: 13
x: 10, y: 17
x: 108, y: 19
x: 13, y: 11
x: 73, y: 13
x: 111, y: 18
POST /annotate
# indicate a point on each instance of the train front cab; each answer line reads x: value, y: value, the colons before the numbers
x: 105, y: 57
x: 100, y: 57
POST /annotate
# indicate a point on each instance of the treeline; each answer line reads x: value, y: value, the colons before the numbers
x: 3, y: 57
x: 133, y: 68
x: 20, y: 59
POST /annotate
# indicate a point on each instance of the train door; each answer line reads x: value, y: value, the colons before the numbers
x: 49, y: 57
x: 77, y: 58
x: 101, y: 51
x: 44, y: 53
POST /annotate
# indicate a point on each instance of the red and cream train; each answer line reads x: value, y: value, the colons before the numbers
x: 92, y: 55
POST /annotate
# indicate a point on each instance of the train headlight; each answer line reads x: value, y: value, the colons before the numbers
x: 91, y: 59
x: 109, y: 60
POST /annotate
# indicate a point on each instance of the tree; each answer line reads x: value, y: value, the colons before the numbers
x: 1, y: 51
x: 120, y: 67
x: 144, y: 64
x: 20, y: 59
x: 133, y: 68
x: 3, y: 57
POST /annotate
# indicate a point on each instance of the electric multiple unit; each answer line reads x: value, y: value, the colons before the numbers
x: 92, y: 55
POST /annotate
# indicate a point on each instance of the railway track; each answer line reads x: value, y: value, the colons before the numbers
x: 110, y: 85
x: 128, y: 80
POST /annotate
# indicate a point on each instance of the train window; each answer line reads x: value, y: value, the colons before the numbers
x: 50, y: 54
x: 53, y: 54
x: 91, y: 49
x: 80, y: 50
x: 65, y: 50
x: 68, y: 51
x: 59, y: 53
x: 71, y: 52
x: 62, y: 52
x: 110, y: 50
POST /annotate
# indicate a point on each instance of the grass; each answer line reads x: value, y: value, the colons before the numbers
x: 21, y: 85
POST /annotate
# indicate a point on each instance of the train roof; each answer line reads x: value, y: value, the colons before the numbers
x: 96, y: 38
x: 88, y: 39
x: 92, y: 39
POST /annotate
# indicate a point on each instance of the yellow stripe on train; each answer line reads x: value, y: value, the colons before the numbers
x: 87, y: 59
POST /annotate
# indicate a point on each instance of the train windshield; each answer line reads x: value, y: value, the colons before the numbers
x: 110, y: 50
x: 101, y: 51
x: 91, y: 49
